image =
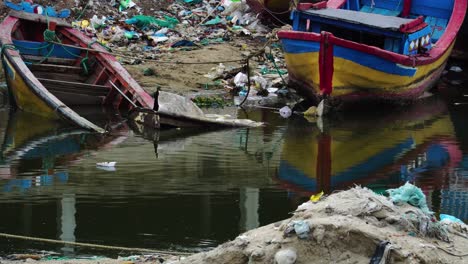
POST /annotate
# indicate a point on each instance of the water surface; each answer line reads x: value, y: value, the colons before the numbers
x: 192, y: 190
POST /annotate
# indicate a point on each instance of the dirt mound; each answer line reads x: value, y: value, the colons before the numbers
x: 347, y: 227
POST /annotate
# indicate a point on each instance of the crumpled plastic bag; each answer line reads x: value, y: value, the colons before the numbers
x: 410, y: 194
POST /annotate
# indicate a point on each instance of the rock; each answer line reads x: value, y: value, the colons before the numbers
x: 149, y: 72
x: 285, y: 256
x: 257, y: 255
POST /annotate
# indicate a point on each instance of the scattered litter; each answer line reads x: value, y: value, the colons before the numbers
x: 445, y: 218
x: 302, y: 229
x: 240, y: 80
x: 106, y: 164
x: 285, y: 112
x: 456, y: 69
x: 410, y: 194
x: 316, y: 197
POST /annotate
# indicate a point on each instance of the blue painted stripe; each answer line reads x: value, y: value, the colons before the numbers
x: 299, y: 46
x: 292, y: 175
x: 43, y: 49
x: 372, y: 61
x: 372, y: 164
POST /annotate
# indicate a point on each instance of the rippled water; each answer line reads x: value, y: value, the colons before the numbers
x: 193, y: 190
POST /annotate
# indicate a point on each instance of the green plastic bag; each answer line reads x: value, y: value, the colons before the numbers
x: 410, y: 194
x: 213, y: 21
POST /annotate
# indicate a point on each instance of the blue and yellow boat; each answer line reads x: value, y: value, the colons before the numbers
x: 370, y: 49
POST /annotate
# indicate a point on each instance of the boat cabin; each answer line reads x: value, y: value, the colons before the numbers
x: 406, y: 27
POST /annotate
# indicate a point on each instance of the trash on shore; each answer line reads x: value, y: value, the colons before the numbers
x: 357, y: 225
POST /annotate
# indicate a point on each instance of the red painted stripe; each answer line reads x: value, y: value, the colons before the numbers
x: 406, y: 8
x: 289, y: 34
x: 413, y: 26
x: 307, y: 6
x: 336, y: 3
x: 326, y: 63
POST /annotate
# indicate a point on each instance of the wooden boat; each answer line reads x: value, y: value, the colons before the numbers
x: 52, y: 68
x: 49, y: 78
x: 370, y: 49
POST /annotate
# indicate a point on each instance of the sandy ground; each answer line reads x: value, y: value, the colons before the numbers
x: 188, y: 78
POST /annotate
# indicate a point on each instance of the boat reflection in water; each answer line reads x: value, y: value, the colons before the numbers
x: 415, y: 144
x: 36, y: 151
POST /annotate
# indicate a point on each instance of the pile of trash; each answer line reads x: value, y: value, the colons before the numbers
x: 139, y: 32
x: 357, y: 226
x: 155, y: 26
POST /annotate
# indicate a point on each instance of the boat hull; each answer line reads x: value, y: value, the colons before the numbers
x: 358, y: 75
x: 23, y: 95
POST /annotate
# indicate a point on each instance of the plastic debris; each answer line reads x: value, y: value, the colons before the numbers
x: 125, y: 4
x: 445, y: 218
x: 240, y: 79
x: 302, y: 229
x: 213, y: 21
x: 410, y: 194
x: 311, y: 111
x: 285, y: 112
x: 316, y: 197
x: 456, y: 69
x: 106, y: 164
x: 183, y: 43
x: 382, y: 253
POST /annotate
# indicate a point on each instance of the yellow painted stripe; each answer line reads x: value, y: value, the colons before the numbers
x: 349, y: 149
x: 27, y: 100
x: 349, y: 77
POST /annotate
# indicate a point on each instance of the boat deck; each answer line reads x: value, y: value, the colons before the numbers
x: 389, y: 23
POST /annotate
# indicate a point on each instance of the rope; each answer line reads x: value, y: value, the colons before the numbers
x: 82, y: 11
x: 248, y: 83
x: 54, y: 241
x: 451, y: 253
x: 272, y: 59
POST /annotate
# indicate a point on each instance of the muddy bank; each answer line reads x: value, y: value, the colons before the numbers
x: 347, y: 227
x: 353, y: 226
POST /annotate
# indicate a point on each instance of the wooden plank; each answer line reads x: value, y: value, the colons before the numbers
x: 78, y: 99
x: 92, y: 92
x: 60, y: 76
x: 51, y: 60
x: 355, y: 17
x: 83, y: 87
x: 55, y: 68
x: 39, y: 18
x: 75, y: 84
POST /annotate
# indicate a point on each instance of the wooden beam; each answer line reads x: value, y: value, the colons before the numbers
x: 56, y: 68
x: 53, y: 60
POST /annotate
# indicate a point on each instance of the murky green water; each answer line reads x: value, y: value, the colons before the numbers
x: 196, y: 189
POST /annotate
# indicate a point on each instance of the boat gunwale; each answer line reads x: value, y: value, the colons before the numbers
x: 438, y: 50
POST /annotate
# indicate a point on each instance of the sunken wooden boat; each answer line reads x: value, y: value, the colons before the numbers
x: 370, y: 49
x: 52, y: 68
